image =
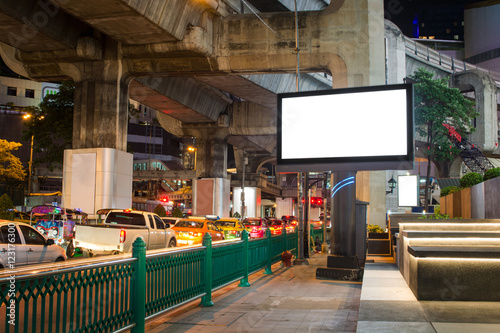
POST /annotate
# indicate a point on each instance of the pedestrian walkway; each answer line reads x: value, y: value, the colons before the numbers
x: 289, y: 300
x: 293, y: 300
x: 388, y: 305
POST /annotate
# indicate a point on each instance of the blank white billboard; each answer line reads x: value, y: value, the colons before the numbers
x: 367, y: 128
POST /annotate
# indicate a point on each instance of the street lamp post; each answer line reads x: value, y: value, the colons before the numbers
x: 30, y: 166
x: 191, y: 150
x: 30, y: 163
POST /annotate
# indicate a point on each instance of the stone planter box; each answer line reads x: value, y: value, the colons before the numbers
x: 379, y: 243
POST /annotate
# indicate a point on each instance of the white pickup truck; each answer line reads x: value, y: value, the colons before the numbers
x: 120, y: 229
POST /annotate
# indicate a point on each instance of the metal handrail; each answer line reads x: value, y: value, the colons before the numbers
x: 59, y: 271
x: 444, y: 61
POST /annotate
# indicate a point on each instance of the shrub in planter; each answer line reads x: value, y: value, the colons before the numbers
x: 373, y: 228
x: 470, y: 179
x: 491, y: 173
x: 448, y: 190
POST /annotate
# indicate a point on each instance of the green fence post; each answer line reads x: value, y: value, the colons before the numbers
x: 311, y: 239
x: 207, y: 299
x: 139, y: 287
x: 244, y: 281
x: 285, y: 245
x: 269, y: 254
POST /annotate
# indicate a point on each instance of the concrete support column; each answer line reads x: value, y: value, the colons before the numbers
x: 211, y: 196
x: 101, y: 106
x: 252, y: 201
x: 486, y: 134
x: 211, y: 160
x: 211, y: 191
x: 98, y: 171
x: 96, y: 178
x: 344, y: 210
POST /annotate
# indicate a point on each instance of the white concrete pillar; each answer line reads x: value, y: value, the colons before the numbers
x: 284, y: 206
x: 211, y: 196
x: 95, y: 178
x: 252, y: 201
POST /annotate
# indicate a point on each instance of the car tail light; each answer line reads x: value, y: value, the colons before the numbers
x: 232, y: 232
x: 123, y: 236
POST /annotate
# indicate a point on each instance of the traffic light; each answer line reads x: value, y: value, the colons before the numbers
x: 315, y: 201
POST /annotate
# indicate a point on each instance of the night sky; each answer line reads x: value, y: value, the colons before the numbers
x: 402, y: 12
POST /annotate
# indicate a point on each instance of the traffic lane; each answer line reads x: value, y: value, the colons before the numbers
x: 80, y: 261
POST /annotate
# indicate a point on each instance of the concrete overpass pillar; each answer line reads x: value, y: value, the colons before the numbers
x: 100, y: 116
x: 486, y: 134
x: 98, y: 170
x: 211, y: 191
x: 211, y: 159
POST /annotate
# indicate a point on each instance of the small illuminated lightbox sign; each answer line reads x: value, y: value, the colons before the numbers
x: 363, y: 128
x: 408, y: 191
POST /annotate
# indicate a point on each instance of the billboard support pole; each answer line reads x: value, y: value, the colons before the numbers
x: 300, y: 217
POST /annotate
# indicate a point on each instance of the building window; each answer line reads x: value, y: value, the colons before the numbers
x: 12, y: 91
x: 30, y: 93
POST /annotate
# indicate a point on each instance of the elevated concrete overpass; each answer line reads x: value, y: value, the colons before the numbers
x: 405, y: 56
x: 212, y: 72
x: 198, y: 62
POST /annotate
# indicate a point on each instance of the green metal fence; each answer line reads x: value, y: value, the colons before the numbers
x: 319, y: 233
x: 122, y: 294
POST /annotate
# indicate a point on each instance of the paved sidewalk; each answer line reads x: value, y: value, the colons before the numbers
x: 388, y: 305
x: 289, y: 300
x: 293, y: 300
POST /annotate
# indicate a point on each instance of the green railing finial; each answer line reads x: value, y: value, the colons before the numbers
x: 269, y: 254
x: 139, y: 286
x: 207, y: 299
x: 244, y: 280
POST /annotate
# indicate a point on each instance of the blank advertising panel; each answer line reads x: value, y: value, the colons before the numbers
x: 364, y: 128
x: 408, y: 191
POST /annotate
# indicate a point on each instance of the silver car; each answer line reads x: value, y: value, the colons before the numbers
x: 21, y: 244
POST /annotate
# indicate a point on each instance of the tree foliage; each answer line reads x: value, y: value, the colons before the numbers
x: 11, y: 167
x: 160, y: 210
x: 51, y: 125
x: 5, y: 205
x: 177, y: 212
x: 437, y: 103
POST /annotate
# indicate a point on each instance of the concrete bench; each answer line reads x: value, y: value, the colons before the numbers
x: 447, y: 233
x: 454, y: 273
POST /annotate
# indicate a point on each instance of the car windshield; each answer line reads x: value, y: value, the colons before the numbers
x: 225, y: 224
x: 126, y: 218
x: 189, y: 224
x: 49, y: 217
x: 275, y: 222
x: 251, y: 222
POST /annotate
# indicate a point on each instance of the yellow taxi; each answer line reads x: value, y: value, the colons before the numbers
x: 20, y: 216
x: 191, y: 231
x: 231, y: 227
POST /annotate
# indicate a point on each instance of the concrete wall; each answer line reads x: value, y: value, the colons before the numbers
x: 21, y: 86
x: 481, y: 34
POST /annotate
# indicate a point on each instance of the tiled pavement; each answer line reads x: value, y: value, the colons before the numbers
x: 293, y: 300
x: 388, y: 305
x: 289, y: 300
